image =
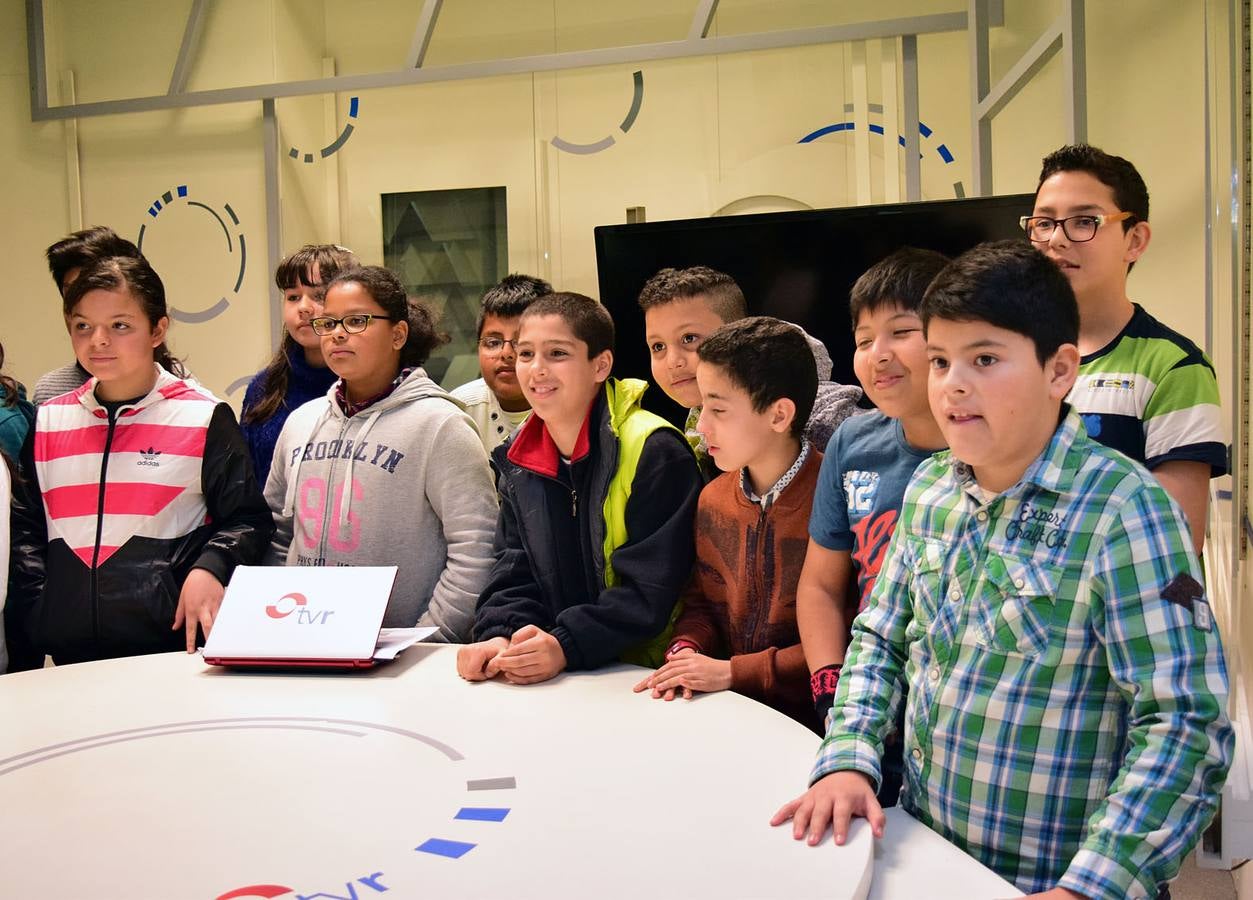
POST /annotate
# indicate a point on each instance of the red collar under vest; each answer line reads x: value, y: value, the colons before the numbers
x: 534, y: 449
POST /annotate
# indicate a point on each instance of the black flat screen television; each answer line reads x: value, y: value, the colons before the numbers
x: 798, y: 266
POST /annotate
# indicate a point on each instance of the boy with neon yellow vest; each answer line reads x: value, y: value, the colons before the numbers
x: 598, y: 496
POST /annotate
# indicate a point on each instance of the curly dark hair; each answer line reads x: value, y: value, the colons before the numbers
x: 386, y: 290
x: 720, y: 289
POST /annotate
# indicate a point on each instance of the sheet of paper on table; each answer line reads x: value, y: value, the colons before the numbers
x: 393, y: 640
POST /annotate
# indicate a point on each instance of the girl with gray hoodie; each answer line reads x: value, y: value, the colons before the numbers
x: 387, y: 468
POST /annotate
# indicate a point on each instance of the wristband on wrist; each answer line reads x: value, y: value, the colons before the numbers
x: 681, y: 644
x: 823, y: 682
x: 822, y: 685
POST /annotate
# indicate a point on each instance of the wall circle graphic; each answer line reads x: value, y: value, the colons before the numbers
x: 637, y: 100
x: 354, y: 104
x: 941, y: 149
x: 241, y: 382
x: 234, y: 246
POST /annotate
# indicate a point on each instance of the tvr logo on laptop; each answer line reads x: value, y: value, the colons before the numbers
x: 297, y: 603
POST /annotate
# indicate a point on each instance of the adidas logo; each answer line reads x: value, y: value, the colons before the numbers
x: 149, y: 457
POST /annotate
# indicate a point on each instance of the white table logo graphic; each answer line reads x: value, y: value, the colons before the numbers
x: 353, y: 888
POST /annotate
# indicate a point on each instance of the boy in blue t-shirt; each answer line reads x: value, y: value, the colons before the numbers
x: 864, y: 472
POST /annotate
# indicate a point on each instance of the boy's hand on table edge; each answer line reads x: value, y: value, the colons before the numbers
x: 833, y: 800
x: 474, y: 660
x: 533, y: 655
x: 686, y: 672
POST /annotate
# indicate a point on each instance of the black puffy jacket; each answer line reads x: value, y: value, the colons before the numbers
x: 112, y: 511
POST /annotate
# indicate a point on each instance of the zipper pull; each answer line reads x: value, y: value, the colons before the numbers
x: 574, y: 503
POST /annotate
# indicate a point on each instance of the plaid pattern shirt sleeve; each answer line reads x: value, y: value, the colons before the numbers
x: 1066, y: 708
x: 1166, y: 662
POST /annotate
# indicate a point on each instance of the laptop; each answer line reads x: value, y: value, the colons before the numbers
x: 307, y: 616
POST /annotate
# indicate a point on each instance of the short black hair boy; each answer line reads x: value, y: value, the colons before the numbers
x: 510, y: 297
x: 597, y: 495
x: 589, y: 320
x: 1118, y: 174
x: 495, y: 401
x: 738, y: 630
x: 682, y: 308
x: 974, y: 288
x: 899, y: 279
x: 768, y: 358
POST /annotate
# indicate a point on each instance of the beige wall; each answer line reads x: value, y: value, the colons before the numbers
x: 713, y: 133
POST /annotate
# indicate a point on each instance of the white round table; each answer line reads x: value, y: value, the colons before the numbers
x: 161, y: 777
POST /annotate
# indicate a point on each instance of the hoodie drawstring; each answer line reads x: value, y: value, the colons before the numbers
x: 289, y: 499
x: 346, y: 504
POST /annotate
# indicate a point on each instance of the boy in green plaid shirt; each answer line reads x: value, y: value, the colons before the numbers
x: 1066, y: 715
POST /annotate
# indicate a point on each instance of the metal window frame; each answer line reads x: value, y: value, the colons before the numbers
x: 1066, y: 34
x: 188, y: 48
x: 698, y: 42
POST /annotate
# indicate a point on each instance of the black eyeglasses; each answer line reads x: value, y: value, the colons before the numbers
x: 354, y: 324
x: 1076, y: 228
x: 494, y: 346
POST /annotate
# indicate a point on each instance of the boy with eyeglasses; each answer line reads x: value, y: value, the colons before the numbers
x: 1143, y: 388
x: 495, y: 402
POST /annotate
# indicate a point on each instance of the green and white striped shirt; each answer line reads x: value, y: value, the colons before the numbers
x: 1151, y: 393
